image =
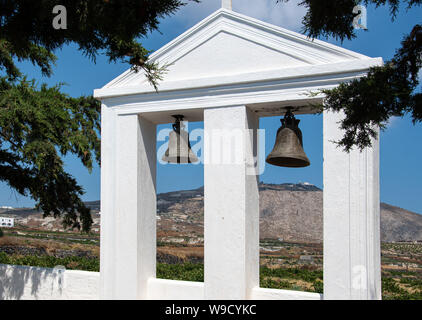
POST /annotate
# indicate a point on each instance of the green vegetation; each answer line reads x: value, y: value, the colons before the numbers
x: 396, y: 285
x: 391, y: 290
x: 300, y: 279
x: 46, y: 261
x: 40, y: 125
x: 64, y: 237
x: 293, y: 273
x: 270, y: 278
x: 401, y: 285
x: 185, y: 272
x: 402, y: 248
x: 281, y: 268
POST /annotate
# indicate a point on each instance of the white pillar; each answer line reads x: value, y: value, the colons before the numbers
x: 128, y: 212
x: 108, y: 120
x: 352, y: 266
x: 231, y: 204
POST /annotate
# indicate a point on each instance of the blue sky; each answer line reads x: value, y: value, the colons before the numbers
x: 401, y: 173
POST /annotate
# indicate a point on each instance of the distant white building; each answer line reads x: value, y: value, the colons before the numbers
x: 7, y: 222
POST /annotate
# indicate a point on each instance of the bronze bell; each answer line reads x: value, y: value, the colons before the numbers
x: 179, y: 150
x: 288, y: 148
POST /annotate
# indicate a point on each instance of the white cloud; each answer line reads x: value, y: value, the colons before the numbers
x: 392, y: 122
x: 287, y: 15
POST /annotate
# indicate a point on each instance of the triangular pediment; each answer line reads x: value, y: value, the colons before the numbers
x: 230, y: 44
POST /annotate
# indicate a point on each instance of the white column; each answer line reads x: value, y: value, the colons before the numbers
x: 231, y: 204
x: 352, y: 266
x: 128, y: 199
x: 108, y: 120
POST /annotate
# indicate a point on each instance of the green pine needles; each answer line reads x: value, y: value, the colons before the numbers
x: 387, y: 91
x: 40, y: 125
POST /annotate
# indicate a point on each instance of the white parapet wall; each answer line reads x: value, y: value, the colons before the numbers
x: 160, y: 289
x: 276, y: 294
x: 33, y: 283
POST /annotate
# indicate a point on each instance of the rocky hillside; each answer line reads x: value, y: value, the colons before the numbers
x: 398, y: 224
x: 292, y: 212
x: 33, y: 219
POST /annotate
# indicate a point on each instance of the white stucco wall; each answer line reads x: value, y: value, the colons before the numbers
x: 160, y: 289
x: 32, y: 283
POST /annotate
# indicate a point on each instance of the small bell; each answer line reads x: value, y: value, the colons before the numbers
x: 179, y: 150
x: 288, y: 148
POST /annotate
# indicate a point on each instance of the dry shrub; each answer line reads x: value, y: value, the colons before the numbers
x: 183, y: 252
x: 50, y: 246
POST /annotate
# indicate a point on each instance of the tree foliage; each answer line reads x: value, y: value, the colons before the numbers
x: 36, y: 128
x: 112, y: 27
x: 39, y: 125
x: 385, y: 92
x: 389, y: 90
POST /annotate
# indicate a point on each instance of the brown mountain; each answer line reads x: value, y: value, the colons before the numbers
x: 292, y: 212
x: 398, y: 224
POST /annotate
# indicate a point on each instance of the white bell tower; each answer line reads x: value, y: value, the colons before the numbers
x: 211, y: 79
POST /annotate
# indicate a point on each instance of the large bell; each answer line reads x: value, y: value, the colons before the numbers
x: 288, y: 148
x: 179, y: 150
